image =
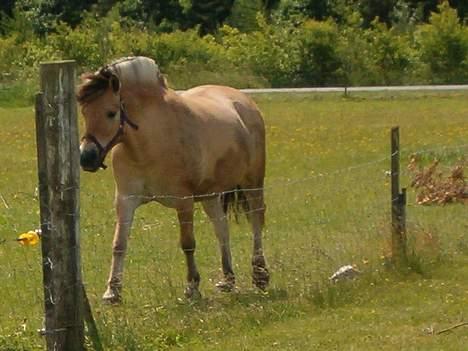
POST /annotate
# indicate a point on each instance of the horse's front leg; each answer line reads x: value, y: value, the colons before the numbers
x: 125, y: 208
x: 187, y: 243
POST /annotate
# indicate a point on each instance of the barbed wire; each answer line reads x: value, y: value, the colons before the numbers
x: 271, y: 186
x: 274, y: 185
x: 431, y: 150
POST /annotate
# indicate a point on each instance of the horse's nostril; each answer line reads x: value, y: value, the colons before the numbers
x: 89, y: 158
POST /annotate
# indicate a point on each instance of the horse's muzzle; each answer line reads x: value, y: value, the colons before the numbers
x: 90, y: 159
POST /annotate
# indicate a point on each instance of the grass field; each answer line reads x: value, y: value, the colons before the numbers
x: 327, y: 196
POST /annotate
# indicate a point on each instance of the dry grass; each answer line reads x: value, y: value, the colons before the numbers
x: 435, y: 186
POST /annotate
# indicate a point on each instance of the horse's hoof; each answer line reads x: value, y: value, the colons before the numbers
x: 112, y: 297
x: 192, y: 293
x: 260, y: 277
x: 225, y: 286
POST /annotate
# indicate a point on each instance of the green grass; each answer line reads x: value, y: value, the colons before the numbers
x: 17, y: 93
x: 327, y: 205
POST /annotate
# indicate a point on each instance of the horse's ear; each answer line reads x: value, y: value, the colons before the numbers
x: 114, y: 82
x: 84, y: 77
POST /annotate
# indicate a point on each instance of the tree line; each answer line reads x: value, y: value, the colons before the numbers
x: 242, y: 43
x: 209, y: 15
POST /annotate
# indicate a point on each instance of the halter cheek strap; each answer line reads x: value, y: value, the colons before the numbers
x: 103, y: 150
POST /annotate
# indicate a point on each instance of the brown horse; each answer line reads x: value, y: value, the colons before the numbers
x: 206, y: 144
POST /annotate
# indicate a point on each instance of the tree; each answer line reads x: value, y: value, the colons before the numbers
x: 69, y: 11
x: 314, y: 9
x: 444, y: 46
x: 244, y: 15
x: 6, y: 6
x: 429, y: 6
x: 371, y: 9
x: 208, y: 14
x: 462, y: 8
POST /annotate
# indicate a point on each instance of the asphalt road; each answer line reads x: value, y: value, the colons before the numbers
x: 359, y: 89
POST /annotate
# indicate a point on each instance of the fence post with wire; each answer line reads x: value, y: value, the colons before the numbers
x: 398, y: 202
x: 58, y: 172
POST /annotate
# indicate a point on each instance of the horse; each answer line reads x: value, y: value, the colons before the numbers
x: 206, y: 145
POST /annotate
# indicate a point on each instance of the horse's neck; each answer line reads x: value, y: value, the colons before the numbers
x: 152, y: 114
x: 134, y: 90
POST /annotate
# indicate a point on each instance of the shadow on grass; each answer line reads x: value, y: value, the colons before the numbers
x: 233, y: 299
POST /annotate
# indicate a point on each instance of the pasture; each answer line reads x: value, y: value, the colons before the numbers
x: 327, y: 197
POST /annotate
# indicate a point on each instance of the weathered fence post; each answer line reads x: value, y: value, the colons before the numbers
x: 398, y: 202
x: 58, y: 171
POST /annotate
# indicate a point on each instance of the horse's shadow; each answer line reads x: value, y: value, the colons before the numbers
x: 234, y: 299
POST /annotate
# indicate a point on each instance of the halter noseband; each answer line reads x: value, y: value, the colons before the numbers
x: 103, y: 150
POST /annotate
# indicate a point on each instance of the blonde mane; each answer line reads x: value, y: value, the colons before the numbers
x: 138, y: 70
x: 133, y: 72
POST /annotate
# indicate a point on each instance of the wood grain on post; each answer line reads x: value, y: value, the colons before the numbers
x: 398, y: 202
x: 58, y: 171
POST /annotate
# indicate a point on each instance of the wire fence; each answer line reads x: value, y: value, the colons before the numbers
x: 315, y: 224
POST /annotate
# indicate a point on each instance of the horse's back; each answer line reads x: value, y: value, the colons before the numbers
x: 234, y: 132
x: 226, y: 102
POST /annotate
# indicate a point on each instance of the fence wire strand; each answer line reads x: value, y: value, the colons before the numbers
x: 333, y: 254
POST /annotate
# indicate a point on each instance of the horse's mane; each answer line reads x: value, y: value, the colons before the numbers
x: 129, y: 70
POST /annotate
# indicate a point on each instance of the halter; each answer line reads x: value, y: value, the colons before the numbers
x: 103, y: 150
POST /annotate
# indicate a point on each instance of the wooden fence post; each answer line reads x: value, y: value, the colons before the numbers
x: 59, y: 171
x: 398, y: 203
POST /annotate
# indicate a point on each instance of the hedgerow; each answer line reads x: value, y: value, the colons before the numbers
x: 278, y: 52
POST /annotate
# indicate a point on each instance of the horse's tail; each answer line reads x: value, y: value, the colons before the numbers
x: 235, y: 201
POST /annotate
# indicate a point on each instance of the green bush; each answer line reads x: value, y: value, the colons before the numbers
x: 443, y: 47
x: 181, y: 47
x: 19, y: 67
x: 272, y: 51
x: 375, y: 56
x: 8, y: 54
x: 88, y: 44
x: 354, y: 51
x: 244, y: 15
x: 390, y: 55
x: 187, y: 75
x: 319, y: 61
x: 283, y: 52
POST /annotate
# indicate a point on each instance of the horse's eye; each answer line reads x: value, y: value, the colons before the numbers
x: 111, y: 114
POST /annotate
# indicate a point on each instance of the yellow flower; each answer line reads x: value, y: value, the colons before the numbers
x: 30, y: 238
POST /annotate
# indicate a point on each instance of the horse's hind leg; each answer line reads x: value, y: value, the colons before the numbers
x: 187, y: 243
x: 256, y: 215
x: 214, y: 210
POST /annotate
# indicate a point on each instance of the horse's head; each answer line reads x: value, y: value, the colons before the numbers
x: 103, y: 110
x: 104, y: 117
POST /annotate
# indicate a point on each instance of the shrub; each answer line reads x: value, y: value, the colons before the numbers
x: 318, y: 56
x: 88, y: 44
x: 272, y: 52
x: 183, y: 47
x: 8, y: 54
x: 354, y: 51
x: 390, y: 54
x: 375, y: 56
x: 443, y: 46
x: 244, y: 15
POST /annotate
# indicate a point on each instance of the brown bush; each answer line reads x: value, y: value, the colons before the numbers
x: 435, y: 187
